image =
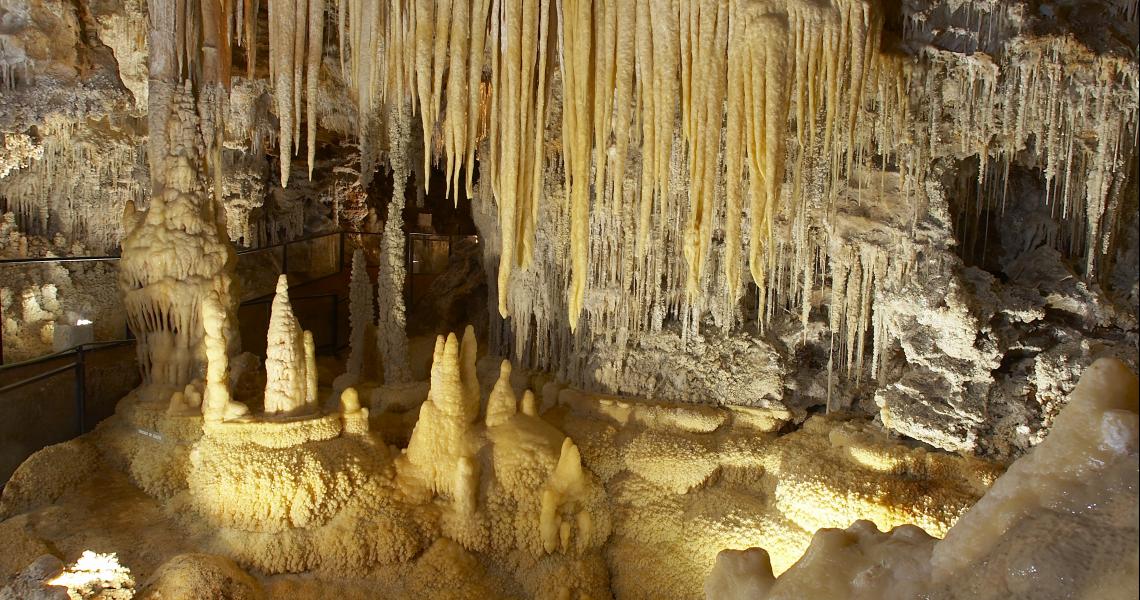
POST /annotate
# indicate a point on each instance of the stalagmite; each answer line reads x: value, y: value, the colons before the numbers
x: 349, y: 401
x: 289, y: 384
x: 441, y: 443
x: 564, y: 484
x: 310, y: 349
x: 361, y: 316
x: 391, y: 339
x: 501, y: 404
x: 175, y: 255
x: 528, y: 405
x: 217, y: 405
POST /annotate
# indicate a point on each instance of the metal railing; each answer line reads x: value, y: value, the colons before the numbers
x: 45, y: 408
x: 409, y: 260
x: 78, y: 365
x: 284, y: 246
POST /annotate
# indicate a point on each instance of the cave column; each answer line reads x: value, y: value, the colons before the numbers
x: 176, y: 252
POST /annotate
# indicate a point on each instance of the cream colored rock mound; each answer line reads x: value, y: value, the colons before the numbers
x: 861, y: 474
x: 47, y: 475
x: 298, y: 501
x: 1060, y: 523
x: 684, y: 488
x: 199, y: 576
x: 239, y: 481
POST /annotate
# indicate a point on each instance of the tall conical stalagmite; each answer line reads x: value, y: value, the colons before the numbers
x: 289, y: 386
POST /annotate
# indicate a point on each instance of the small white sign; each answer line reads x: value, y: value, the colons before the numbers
x: 154, y: 435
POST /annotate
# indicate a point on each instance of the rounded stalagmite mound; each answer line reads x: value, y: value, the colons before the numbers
x: 194, y: 576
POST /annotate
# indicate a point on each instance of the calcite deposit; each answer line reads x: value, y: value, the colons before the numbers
x: 568, y: 299
x: 1016, y: 541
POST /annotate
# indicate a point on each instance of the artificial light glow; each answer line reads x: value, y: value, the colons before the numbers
x: 83, y: 322
x: 94, y: 572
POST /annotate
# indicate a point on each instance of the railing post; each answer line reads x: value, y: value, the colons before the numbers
x: 409, y: 271
x: 80, y: 390
x: 340, y: 255
x: 336, y: 323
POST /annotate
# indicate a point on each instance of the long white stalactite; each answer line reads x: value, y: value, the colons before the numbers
x: 296, y: 49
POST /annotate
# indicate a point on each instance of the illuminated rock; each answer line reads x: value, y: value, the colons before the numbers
x: 1041, y: 512
x: 290, y: 386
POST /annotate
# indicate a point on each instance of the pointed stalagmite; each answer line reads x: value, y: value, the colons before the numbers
x: 441, y: 445
x: 290, y: 388
x: 564, y: 484
x: 501, y: 404
x: 528, y: 405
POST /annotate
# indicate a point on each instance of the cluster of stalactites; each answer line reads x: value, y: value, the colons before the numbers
x: 756, y: 111
x: 810, y: 106
x: 663, y: 59
x: 290, y: 360
x: 1054, y: 104
x: 296, y: 49
x: 429, y: 53
x: 659, y: 74
x: 74, y: 183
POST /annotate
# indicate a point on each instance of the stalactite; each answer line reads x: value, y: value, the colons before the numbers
x: 282, y: 31
x: 455, y: 123
x: 296, y: 49
x: 520, y: 38
x: 75, y: 182
x: 481, y: 10
x: 708, y: 38
x: 766, y: 117
x: 313, y: 75
x: 576, y: 36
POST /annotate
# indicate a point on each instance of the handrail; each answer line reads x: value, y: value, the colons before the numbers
x: 114, y: 257
x: 307, y: 238
x: 56, y: 259
x: 97, y: 345
x: 310, y: 237
x: 266, y: 299
x: 62, y: 353
x: 37, y: 377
